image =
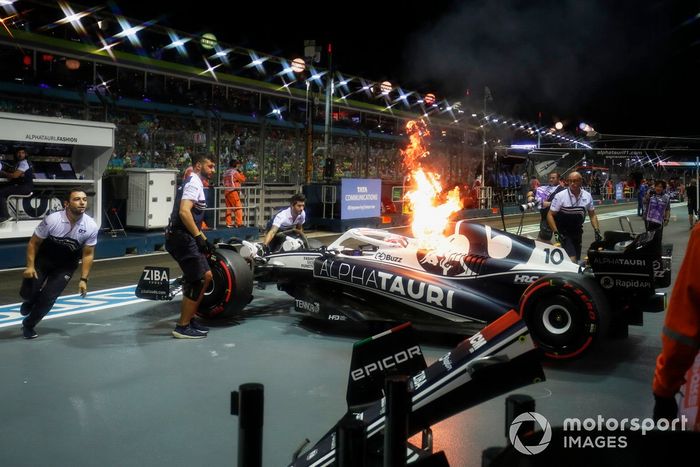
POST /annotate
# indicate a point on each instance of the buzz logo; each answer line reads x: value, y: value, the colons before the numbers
x: 381, y: 256
x: 524, y: 279
x: 530, y: 449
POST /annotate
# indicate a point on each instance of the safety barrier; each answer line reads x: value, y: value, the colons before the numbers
x: 259, y: 203
x: 485, y: 197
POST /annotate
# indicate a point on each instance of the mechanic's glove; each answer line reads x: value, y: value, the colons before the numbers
x: 559, y: 237
x: 263, y: 249
x: 665, y: 408
x: 598, y: 236
x: 204, y: 245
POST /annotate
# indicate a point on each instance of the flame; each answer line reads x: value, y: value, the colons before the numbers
x: 431, y: 210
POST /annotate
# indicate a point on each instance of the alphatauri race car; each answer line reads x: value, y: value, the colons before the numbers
x: 472, y: 278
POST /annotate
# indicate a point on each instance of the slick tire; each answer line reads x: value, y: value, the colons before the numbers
x: 566, y: 314
x: 231, y: 288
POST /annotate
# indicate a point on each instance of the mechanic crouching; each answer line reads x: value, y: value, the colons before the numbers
x: 567, y: 214
x: 188, y: 245
x: 292, y: 218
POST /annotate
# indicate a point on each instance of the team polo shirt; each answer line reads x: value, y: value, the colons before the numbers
x: 27, y: 174
x: 62, y: 243
x: 543, y: 193
x: 284, y: 220
x: 570, y: 211
x: 193, y: 190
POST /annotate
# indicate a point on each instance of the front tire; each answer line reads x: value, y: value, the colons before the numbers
x: 566, y: 314
x: 231, y: 288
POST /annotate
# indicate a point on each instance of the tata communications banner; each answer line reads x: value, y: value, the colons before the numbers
x: 360, y: 197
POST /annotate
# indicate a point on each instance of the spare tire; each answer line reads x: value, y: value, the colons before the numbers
x: 565, y: 313
x: 231, y: 288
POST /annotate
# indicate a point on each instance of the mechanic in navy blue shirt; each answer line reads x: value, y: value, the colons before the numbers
x: 186, y: 242
x: 21, y: 181
x: 567, y: 214
x: 61, y: 240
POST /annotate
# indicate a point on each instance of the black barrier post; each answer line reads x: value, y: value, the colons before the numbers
x: 352, y: 443
x: 248, y: 404
x: 396, y: 426
x: 517, y: 404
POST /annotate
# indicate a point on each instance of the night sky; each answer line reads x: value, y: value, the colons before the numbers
x: 623, y: 66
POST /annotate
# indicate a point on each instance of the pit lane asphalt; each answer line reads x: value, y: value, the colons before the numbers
x: 112, y: 388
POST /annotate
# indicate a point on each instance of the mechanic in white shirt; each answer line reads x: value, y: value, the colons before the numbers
x: 567, y: 214
x: 188, y: 245
x: 61, y: 240
x: 291, y: 218
x: 20, y: 181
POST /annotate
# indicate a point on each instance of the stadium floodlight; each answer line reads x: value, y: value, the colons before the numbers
x: 210, y: 69
x: 177, y: 43
x: 73, y: 18
x: 559, y: 125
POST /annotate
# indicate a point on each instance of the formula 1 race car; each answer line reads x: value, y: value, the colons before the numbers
x: 475, y: 276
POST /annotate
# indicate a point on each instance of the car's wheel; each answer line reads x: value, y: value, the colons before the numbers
x: 566, y: 314
x: 231, y: 288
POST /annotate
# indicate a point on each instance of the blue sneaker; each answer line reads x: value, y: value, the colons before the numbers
x: 194, y: 324
x: 29, y: 333
x: 187, y: 332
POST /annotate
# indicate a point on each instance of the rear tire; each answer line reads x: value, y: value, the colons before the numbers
x: 231, y: 288
x: 566, y: 314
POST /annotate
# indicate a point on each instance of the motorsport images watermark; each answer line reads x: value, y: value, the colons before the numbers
x: 577, y: 433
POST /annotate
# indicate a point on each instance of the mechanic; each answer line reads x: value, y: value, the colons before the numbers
x: 544, y: 196
x: 233, y: 177
x: 188, y: 245
x: 680, y: 337
x: 292, y: 217
x: 657, y: 207
x: 567, y: 214
x: 20, y: 181
x: 59, y: 242
x: 691, y: 192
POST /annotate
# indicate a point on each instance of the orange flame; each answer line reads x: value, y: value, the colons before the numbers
x: 430, y: 213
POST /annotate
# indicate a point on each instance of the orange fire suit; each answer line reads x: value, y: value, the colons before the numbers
x: 681, y: 332
x: 232, y: 180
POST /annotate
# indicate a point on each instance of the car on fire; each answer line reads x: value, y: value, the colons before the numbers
x: 473, y: 277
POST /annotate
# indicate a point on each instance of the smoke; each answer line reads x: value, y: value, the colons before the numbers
x: 556, y: 54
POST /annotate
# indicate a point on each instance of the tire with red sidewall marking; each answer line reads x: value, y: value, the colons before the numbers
x: 566, y: 314
x: 231, y: 288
